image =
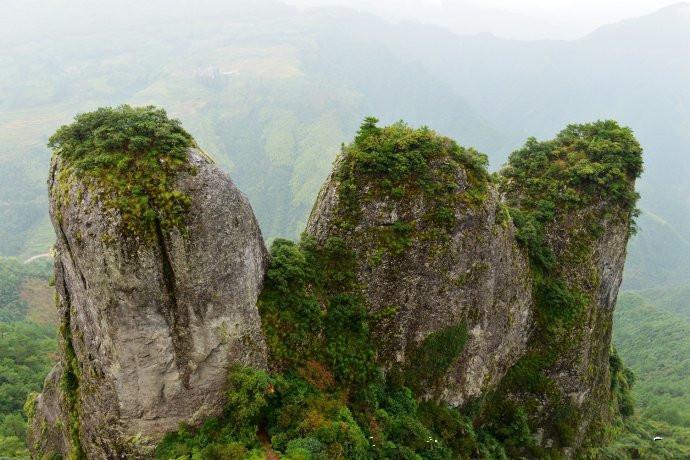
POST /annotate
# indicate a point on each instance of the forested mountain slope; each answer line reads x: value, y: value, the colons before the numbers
x: 273, y: 91
x: 656, y: 345
x: 28, y: 345
x: 260, y: 90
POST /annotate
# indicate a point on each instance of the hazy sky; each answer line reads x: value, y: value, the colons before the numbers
x: 527, y: 19
x: 521, y: 19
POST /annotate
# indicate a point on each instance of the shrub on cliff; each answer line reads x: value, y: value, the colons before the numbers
x: 399, y: 162
x: 133, y: 155
x: 583, y: 164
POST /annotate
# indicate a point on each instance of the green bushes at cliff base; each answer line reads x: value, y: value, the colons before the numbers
x: 327, y: 398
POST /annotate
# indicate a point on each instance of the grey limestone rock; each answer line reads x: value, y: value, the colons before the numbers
x: 153, y: 326
x: 477, y: 277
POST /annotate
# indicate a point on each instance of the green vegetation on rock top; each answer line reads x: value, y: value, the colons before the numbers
x: 584, y: 165
x: 402, y: 156
x: 399, y: 162
x: 132, y: 156
x: 565, y: 188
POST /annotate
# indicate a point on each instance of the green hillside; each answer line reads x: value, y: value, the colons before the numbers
x: 272, y: 105
x: 636, y: 440
x: 673, y: 299
x: 655, y: 344
x: 273, y: 91
x: 27, y: 345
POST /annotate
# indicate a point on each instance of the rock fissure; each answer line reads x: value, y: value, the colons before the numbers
x: 176, y: 315
x: 70, y: 253
x: 425, y: 291
x: 70, y: 378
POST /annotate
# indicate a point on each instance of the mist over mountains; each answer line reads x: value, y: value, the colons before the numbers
x: 527, y: 20
x: 272, y: 91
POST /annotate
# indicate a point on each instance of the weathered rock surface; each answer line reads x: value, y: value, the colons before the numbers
x: 581, y: 371
x: 149, y: 328
x: 476, y: 276
x: 51, y: 414
x: 537, y: 304
x: 492, y: 289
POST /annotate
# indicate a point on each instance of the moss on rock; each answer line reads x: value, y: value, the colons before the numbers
x: 131, y: 156
x: 429, y: 361
x: 573, y: 202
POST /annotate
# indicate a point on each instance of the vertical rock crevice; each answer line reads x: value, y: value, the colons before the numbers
x: 71, y: 375
x: 177, y: 316
x: 160, y: 319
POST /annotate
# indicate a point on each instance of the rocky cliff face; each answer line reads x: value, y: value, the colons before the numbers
x: 581, y: 371
x: 535, y: 303
x: 489, y: 294
x: 573, y: 201
x: 426, y: 277
x: 149, y: 327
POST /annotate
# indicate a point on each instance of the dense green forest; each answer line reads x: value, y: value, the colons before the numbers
x: 651, y: 331
x: 28, y: 345
x: 654, y: 341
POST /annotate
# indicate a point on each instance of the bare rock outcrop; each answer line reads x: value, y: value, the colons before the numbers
x: 494, y: 292
x: 497, y: 289
x: 151, y: 326
x: 461, y: 276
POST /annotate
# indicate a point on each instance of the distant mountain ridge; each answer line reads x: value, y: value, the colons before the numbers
x: 308, y: 77
x: 667, y: 21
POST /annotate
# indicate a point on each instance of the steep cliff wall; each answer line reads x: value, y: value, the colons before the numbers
x: 431, y: 310
x: 573, y: 201
x: 509, y: 283
x: 152, y: 315
x: 436, y: 257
